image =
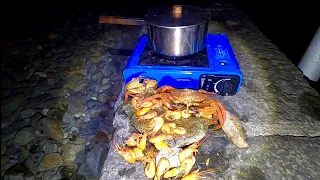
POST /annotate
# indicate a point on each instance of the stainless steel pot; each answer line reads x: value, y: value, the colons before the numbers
x: 175, y: 31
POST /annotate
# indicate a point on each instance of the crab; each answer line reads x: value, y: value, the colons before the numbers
x: 139, y: 87
x: 195, y: 102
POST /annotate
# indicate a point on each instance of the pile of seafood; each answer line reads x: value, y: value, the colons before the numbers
x: 166, y: 119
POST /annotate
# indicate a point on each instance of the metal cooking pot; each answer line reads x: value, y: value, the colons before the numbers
x: 174, y: 32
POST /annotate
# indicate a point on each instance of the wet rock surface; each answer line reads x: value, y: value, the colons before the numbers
x: 60, y: 91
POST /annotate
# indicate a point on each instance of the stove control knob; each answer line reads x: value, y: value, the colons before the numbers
x: 223, y: 86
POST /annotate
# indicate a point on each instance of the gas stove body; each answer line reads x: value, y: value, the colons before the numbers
x: 214, y: 69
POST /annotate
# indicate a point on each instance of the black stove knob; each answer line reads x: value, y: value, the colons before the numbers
x: 223, y: 86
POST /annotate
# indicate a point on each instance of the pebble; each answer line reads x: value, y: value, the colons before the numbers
x: 24, y: 136
x: 50, y: 127
x: 3, y: 148
x: 67, y: 153
x: 45, y: 111
x: 39, y: 47
x: 11, y: 104
x: 28, y: 112
x: 33, y: 160
x: 41, y: 74
x: 105, y: 81
x: 4, y: 160
x: 51, y: 160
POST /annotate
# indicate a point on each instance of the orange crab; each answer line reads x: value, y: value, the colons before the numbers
x: 197, y: 102
x: 138, y: 87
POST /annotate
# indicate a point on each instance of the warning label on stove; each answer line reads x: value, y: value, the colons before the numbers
x: 221, y: 52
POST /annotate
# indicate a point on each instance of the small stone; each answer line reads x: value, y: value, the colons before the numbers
x: 11, y: 104
x: 53, y: 103
x: 56, y: 113
x: 37, y: 101
x: 35, y: 118
x: 41, y: 74
x: 37, y: 133
x: 9, y: 143
x: 24, y: 136
x: 39, y: 47
x: 50, y: 127
x: 68, y: 171
x: 78, y: 141
x: 18, y: 124
x: 97, y: 76
x: 11, y: 150
x: 39, y: 141
x: 18, y: 171
x: 44, y: 111
x: 49, y: 146
x: 24, y: 154
x: 61, y: 92
x: 58, y: 175
x: 65, y: 141
x: 74, y: 129
x: 49, y: 173
x: 79, y: 85
x: 28, y: 112
x: 67, y: 153
x: 105, y: 81
x: 33, y: 160
x: 78, y: 114
x: 96, y: 59
x: 86, y: 120
x: 75, y: 104
x: 51, y: 161
x: 3, y: 148
x: 4, y: 160
x: 27, y: 120
x: 9, y: 119
x: 91, y: 68
x: 70, y: 84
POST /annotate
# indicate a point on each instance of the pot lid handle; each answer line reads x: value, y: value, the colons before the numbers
x: 177, y: 11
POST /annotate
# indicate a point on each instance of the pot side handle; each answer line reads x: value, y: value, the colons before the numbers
x: 121, y: 20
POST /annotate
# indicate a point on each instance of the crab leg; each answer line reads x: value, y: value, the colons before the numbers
x: 221, y: 116
x: 127, y: 94
x: 165, y: 89
x: 206, y: 92
x: 164, y: 97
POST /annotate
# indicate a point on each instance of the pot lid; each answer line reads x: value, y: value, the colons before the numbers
x: 177, y: 16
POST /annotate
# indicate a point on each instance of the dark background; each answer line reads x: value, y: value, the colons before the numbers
x: 290, y: 25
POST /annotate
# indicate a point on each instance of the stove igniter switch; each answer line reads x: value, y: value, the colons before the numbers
x: 223, y: 86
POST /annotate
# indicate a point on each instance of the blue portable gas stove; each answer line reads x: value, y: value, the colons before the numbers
x: 214, y: 69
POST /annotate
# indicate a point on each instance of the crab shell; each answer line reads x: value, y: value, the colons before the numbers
x: 196, y: 127
x: 188, y: 96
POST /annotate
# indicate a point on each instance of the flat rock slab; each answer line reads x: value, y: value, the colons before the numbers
x: 278, y: 110
x: 268, y: 157
x: 115, y: 167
